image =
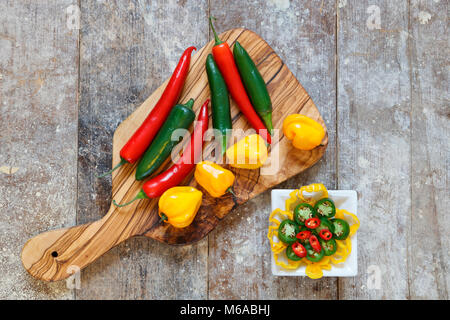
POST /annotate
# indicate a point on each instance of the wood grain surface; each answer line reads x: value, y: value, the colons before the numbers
x: 124, y: 50
x: 50, y: 256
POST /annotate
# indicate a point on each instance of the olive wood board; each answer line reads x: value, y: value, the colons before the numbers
x: 56, y: 254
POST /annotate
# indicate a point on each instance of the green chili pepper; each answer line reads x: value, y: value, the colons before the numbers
x: 254, y: 84
x: 220, y: 103
x: 341, y: 229
x: 291, y: 255
x: 303, y: 212
x: 181, y: 116
x: 287, y: 231
x: 324, y: 224
x: 313, y: 255
x: 329, y: 246
x: 325, y: 208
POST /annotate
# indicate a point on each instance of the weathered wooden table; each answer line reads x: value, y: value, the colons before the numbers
x: 377, y: 70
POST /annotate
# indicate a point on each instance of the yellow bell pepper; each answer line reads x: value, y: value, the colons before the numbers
x: 179, y: 205
x: 248, y: 153
x: 305, y: 133
x: 213, y: 178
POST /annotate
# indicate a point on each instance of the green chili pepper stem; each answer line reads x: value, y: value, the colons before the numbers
x: 216, y: 38
x: 163, y: 217
x: 230, y: 190
x: 140, y: 195
x: 122, y: 162
x: 189, y: 104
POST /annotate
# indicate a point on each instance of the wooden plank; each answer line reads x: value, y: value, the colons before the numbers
x: 374, y: 141
x: 239, y: 253
x: 38, y: 138
x: 48, y: 255
x: 127, y: 51
x: 428, y: 239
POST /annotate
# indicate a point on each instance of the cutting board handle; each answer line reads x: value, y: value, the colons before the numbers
x: 57, y: 254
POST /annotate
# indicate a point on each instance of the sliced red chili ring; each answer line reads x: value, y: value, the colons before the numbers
x: 314, y: 242
x: 299, y: 249
x: 312, y: 223
x: 303, y: 235
x: 325, y: 234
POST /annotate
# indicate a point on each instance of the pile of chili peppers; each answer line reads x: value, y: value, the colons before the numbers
x: 237, y: 72
x: 152, y: 142
x: 313, y: 232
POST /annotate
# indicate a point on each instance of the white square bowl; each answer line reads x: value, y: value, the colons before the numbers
x: 343, y: 199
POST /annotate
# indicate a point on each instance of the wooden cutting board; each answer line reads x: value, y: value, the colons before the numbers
x: 56, y: 254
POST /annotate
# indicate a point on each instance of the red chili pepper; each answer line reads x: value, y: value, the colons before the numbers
x: 314, y: 242
x: 303, y: 235
x: 312, y: 223
x: 299, y: 249
x: 225, y: 61
x: 325, y: 234
x: 173, y: 176
x: 143, y: 136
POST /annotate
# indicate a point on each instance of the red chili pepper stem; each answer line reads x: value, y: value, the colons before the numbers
x: 216, y: 38
x: 140, y: 195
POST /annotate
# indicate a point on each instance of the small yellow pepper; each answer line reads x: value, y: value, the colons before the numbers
x: 213, y: 178
x: 179, y: 205
x: 305, y: 133
x: 248, y: 153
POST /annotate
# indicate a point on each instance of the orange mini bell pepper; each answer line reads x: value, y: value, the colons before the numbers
x: 179, y: 205
x: 248, y: 153
x: 213, y: 178
x: 305, y: 133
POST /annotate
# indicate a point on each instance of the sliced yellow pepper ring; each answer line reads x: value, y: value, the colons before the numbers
x: 291, y: 265
x: 313, y: 188
x: 314, y: 271
x: 297, y: 196
x: 353, y: 227
x: 277, y: 247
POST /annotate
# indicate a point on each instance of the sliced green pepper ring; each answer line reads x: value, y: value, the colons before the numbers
x: 290, y: 254
x: 287, y: 231
x: 313, y: 255
x: 303, y: 212
x: 324, y: 224
x: 325, y: 208
x: 341, y: 229
x: 329, y: 246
